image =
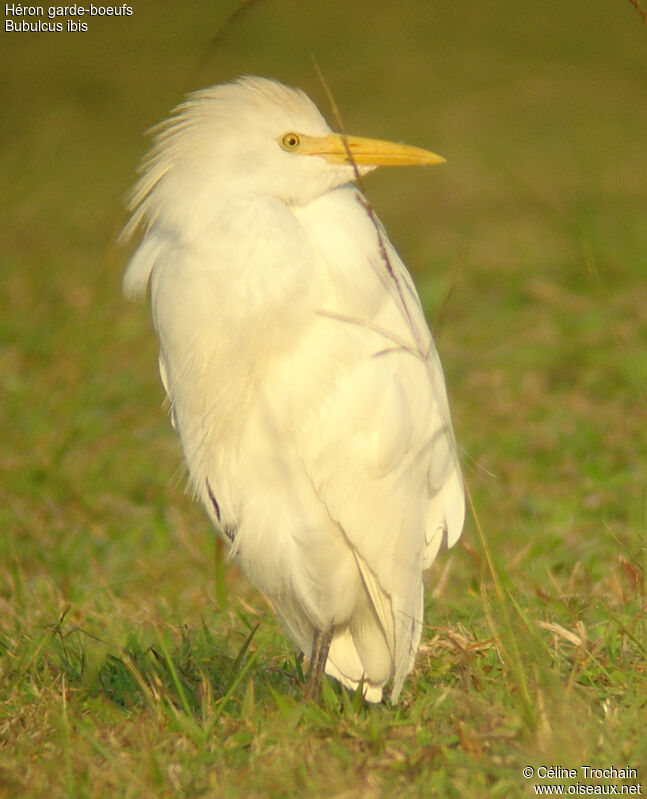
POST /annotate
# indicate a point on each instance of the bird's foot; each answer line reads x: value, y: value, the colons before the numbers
x: 318, y: 658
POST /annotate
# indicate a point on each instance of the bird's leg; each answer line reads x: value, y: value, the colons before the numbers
x: 320, y: 647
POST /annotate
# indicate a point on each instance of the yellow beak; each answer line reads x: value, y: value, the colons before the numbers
x: 338, y: 148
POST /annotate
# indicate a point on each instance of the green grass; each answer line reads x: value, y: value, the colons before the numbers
x: 133, y: 662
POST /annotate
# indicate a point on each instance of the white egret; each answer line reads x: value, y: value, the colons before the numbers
x: 300, y: 372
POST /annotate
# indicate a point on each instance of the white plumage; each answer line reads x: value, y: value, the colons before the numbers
x: 301, y: 374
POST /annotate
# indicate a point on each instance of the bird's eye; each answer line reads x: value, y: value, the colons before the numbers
x: 290, y: 142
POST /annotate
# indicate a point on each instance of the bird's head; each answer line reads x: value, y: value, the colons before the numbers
x: 248, y: 139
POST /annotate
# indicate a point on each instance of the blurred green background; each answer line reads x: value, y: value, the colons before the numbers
x: 529, y: 245
x: 529, y: 249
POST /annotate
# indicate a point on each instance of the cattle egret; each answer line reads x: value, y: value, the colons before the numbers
x: 301, y: 375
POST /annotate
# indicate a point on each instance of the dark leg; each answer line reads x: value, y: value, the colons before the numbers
x: 320, y: 647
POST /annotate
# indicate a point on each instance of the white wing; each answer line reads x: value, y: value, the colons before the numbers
x: 381, y: 452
